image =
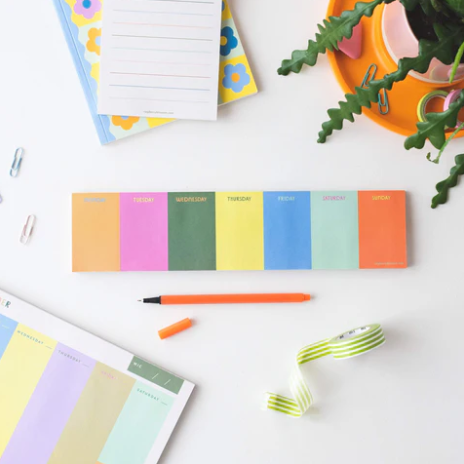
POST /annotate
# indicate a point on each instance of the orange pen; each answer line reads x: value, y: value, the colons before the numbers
x: 228, y: 299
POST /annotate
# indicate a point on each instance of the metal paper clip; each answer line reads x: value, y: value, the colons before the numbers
x: 18, y: 158
x: 370, y: 74
x: 27, y: 229
x: 383, y: 102
x: 382, y: 97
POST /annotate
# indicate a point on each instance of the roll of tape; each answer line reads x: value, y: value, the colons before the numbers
x: 347, y: 345
x: 425, y: 100
x: 452, y: 97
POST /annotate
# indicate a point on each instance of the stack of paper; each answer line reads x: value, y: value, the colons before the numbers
x: 160, y: 58
x: 82, y: 24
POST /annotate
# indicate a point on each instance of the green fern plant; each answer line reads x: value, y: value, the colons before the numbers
x: 447, y: 17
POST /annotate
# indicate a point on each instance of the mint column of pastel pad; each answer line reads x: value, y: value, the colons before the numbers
x: 287, y: 230
x: 137, y: 426
x: 335, y: 230
x: 192, y: 231
x: 7, y: 328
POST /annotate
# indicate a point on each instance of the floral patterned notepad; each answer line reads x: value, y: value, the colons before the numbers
x: 81, y: 22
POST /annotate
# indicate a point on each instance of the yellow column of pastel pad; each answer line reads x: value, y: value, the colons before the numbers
x: 239, y: 231
x: 21, y: 367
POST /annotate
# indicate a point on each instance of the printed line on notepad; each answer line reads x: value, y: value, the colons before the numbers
x: 155, y: 87
x: 163, y: 12
x: 154, y: 37
x: 159, y: 75
x: 161, y: 25
x: 162, y: 62
x: 159, y: 50
x: 158, y: 99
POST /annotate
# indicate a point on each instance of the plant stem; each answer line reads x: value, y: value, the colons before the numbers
x: 457, y: 61
x: 442, y: 149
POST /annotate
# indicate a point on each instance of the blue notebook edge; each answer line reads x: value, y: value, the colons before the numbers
x: 98, y: 120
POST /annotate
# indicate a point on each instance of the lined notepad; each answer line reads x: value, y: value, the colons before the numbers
x: 187, y: 231
x: 82, y: 28
x: 160, y: 58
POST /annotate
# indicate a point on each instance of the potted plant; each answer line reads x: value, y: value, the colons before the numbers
x: 435, y: 30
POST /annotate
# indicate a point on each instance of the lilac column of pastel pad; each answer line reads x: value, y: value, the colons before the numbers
x: 144, y: 231
x: 49, y: 408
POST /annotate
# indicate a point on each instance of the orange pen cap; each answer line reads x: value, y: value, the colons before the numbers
x: 175, y: 328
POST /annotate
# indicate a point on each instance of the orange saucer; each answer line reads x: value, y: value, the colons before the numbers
x: 404, y: 96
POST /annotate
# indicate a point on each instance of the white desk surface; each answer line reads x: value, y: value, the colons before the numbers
x: 402, y: 403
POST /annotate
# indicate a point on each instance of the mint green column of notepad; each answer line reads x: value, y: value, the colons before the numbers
x: 137, y: 427
x: 334, y: 230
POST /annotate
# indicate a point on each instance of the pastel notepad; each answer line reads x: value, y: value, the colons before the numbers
x: 239, y: 231
x: 68, y: 397
x: 81, y: 21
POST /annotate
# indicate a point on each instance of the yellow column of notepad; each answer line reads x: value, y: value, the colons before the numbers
x: 21, y: 367
x: 239, y: 231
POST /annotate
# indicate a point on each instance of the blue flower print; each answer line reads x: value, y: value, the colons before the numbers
x: 228, y: 40
x: 235, y: 77
x: 223, y: 6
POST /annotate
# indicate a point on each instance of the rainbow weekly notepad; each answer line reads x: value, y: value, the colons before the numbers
x: 81, y: 21
x: 239, y: 231
x: 67, y: 397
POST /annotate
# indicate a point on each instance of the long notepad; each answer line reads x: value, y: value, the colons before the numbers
x: 68, y: 397
x: 160, y: 58
x: 239, y: 231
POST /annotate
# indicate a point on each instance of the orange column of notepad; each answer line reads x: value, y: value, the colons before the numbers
x: 95, y: 232
x: 382, y: 229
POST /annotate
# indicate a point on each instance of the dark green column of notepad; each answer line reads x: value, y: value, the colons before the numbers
x: 192, y: 231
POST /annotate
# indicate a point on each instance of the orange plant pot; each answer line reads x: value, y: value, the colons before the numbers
x: 404, y: 97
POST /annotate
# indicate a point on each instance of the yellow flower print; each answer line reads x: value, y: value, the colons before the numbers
x: 93, y: 44
x: 126, y: 122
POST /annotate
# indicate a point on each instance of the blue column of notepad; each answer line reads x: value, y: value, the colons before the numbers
x: 7, y: 328
x: 287, y: 230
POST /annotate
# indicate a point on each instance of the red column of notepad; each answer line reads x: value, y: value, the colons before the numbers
x: 382, y: 229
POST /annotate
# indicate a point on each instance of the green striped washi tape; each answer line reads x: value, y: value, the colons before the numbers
x: 347, y: 345
x: 425, y: 100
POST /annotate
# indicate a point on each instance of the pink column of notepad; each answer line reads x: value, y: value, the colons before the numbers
x: 144, y: 231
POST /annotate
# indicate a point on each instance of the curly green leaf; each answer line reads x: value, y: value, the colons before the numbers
x: 443, y: 148
x: 443, y: 49
x: 434, y: 127
x: 444, y: 186
x: 333, y: 31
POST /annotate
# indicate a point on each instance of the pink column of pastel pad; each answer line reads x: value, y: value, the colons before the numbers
x: 144, y: 231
